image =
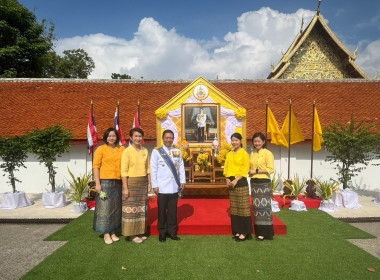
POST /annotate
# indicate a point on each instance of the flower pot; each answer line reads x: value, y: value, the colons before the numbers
x: 327, y: 206
x: 275, y: 207
x: 54, y: 199
x: 350, y: 199
x: 377, y: 199
x: 80, y: 207
x: 297, y: 205
x: 15, y: 200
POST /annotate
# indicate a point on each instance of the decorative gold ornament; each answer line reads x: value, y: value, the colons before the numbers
x: 161, y: 114
x: 200, y: 92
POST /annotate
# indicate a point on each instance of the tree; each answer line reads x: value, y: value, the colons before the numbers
x: 48, y: 144
x: 350, y: 145
x: 13, y: 151
x: 23, y: 41
x: 75, y: 64
x: 117, y: 76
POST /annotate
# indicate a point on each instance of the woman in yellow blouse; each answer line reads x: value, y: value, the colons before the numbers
x: 261, y: 166
x: 107, y: 175
x: 236, y: 169
x: 135, y: 173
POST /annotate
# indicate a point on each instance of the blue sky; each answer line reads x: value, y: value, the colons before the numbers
x: 194, y: 38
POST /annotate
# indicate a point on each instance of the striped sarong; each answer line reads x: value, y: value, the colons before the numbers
x: 107, y: 215
x: 241, y: 220
x: 261, y: 192
x: 135, y: 207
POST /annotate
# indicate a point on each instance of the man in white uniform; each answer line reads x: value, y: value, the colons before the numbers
x: 165, y: 185
x: 201, y: 120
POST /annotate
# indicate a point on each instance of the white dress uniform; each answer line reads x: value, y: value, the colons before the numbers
x: 161, y: 175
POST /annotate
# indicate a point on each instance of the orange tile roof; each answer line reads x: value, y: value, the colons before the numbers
x: 30, y: 103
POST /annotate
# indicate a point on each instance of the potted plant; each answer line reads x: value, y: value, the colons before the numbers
x: 325, y: 190
x: 48, y: 144
x: 275, y: 182
x: 296, y: 187
x: 352, y: 147
x: 79, y: 186
x: 13, y: 152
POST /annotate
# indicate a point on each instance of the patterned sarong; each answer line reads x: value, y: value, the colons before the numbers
x: 241, y: 220
x: 135, y: 207
x: 107, y: 216
x: 261, y: 191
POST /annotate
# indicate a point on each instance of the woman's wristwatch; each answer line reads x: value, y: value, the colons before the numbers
x: 257, y: 171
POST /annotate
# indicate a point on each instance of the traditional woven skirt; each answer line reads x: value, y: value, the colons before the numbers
x: 261, y: 191
x: 135, y: 207
x: 107, y: 216
x: 241, y: 220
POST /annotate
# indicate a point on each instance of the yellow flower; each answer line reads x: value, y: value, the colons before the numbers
x: 161, y: 114
x: 240, y: 113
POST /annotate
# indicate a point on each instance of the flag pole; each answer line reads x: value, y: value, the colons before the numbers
x: 266, y: 121
x: 290, y: 133
x: 138, y: 112
x: 312, y: 142
x: 92, y: 154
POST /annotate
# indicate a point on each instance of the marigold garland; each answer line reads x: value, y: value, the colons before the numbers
x: 240, y: 113
x: 161, y: 113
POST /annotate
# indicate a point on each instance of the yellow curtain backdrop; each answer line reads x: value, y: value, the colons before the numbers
x: 296, y: 133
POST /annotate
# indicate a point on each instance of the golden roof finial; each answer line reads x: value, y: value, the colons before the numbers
x: 271, y: 66
x: 282, y: 53
x: 376, y: 76
x: 302, y: 22
x: 356, y: 52
x: 319, y: 4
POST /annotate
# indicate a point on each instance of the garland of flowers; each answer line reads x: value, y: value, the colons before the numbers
x: 161, y: 113
x: 240, y: 113
x: 225, y: 148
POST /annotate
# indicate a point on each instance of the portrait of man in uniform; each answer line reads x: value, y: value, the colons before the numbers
x: 201, y: 123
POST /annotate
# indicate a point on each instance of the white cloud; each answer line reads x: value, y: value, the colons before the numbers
x: 369, y: 59
x: 158, y: 53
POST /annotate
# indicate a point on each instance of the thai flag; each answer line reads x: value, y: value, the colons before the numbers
x: 137, y: 122
x: 118, y: 127
x: 92, y: 133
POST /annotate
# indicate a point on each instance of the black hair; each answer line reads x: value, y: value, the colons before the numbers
x: 107, y: 133
x: 261, y: 136
x: 238, y: 136
x: 167, y: 131
x: 136, y: 129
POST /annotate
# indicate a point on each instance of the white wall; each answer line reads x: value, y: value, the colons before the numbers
x: 35, y: 178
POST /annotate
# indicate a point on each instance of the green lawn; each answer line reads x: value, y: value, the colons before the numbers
x: 314, y: 248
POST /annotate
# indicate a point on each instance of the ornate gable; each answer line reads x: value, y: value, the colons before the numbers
x: 317, y: 53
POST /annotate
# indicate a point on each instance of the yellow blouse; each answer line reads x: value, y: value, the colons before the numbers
x: 134, y: 163
x: 108, y: 161
x: 262, y: 160
x: 236, y: 164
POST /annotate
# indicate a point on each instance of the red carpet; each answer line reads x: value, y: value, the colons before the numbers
x: 309, y: 202
x: 203, y: 217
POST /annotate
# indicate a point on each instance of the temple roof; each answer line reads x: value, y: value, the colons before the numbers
x: 26, y: 104
x: 316, y: 53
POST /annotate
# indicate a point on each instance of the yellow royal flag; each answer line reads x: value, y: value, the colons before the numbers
x: 318, y: 140
x: 296, y: 133
x: 277, y: 137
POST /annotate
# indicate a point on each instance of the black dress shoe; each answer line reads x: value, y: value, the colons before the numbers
x: 174, y: 237
x: 162, y: 238
x: 259, y: 238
